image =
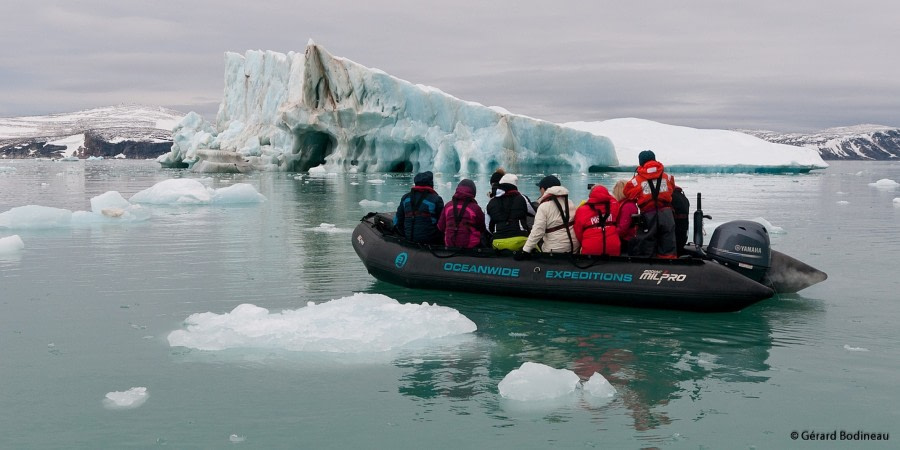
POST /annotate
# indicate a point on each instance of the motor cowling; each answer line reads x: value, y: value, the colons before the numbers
x: 743, y: 246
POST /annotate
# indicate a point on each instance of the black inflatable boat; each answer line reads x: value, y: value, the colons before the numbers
x: 734, y: 271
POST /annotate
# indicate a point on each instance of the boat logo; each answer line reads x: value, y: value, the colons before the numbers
x: 745, y: 248
x: 360, y: 239
x: 400, y: 260
x: 662, y: 275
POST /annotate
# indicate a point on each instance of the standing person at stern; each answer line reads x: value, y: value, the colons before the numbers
x: 651, y: 188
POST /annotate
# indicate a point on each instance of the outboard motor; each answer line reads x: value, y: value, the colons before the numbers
x: 743, y: 246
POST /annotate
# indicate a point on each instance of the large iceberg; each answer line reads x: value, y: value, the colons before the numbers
x: 298, y: 111
x: 301, y: 110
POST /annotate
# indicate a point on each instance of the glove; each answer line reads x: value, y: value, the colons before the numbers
x: 521, y: 256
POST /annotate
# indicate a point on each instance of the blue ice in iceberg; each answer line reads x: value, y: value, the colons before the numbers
x: 298, y: 111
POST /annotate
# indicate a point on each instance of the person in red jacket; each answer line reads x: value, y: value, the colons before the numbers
x: 462, y: 220
x: 625, y: 222
x: 595, y: 224
x: 652, y: 189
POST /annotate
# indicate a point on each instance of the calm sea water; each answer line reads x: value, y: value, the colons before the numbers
x: 86, y: 311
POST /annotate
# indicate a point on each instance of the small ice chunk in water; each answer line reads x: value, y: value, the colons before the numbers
x: 330, y: 228
x: 371, y: 203
x: 885, y: 183
x: 320, y: 171
x: 186, y: 191
x: 598, y: 386
x: 238, y: 193
x: 772, y: 229
x: 36, y: 217
x: 174, y: 191
x: 129, y: 399
x: 236, y: 439
x: 109, y: 200
x: 361, y: 323
x: 533, y: 381
x: 11, y: 244
x: 855, y: 349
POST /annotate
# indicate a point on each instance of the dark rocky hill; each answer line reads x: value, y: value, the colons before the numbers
x: 127, y: 131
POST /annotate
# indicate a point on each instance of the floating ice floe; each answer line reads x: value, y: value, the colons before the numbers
x: 598, y: 386
x: 897, y: 201
x: 772, y: 229
x: 855, y: 349
x: 187, y: 191
x: 885, y: 183
x: 320, y: 171
x: 372, y: 204
x: 360, y: 323
x: 710, y: 226
x: 35, y: 217
x: 375, y: 181
x: 7, y: 169
x: 533, y: 381
x: 11, y: 245
x: 330, y: 228
x: 109, y: 207
x: 843, y: 202
x: 129, y: 399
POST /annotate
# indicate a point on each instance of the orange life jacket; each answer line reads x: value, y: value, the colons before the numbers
x: 650, y: 177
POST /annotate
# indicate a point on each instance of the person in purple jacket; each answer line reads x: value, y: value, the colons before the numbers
x: 462, y: 220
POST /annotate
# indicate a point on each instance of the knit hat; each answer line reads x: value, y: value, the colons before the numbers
x: 509, y: 179
x: 548, y: 182
x: 646, y: 155
x: 468, y: 184
x: 424, y: 179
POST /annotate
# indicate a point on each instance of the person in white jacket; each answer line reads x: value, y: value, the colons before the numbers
x: 553, y: 220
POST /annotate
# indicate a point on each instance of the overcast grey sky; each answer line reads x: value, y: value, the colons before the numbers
x: 779, y: 65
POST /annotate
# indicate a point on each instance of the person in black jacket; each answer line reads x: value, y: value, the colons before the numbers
x: 419, y: 211
x: 508, y: 213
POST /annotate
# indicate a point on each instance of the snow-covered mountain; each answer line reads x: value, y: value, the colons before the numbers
x: 131, y: 131
x: 860, y: 142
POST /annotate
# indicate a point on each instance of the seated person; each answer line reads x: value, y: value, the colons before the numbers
x: 495, y: 181
x: 462, y: 220
x: 625, y: 212
x: 419, y: 211
x: 553, y: 220
x: 507, y: 215
x: 595, y: 224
